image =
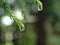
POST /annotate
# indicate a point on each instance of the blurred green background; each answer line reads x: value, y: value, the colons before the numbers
x: 42, y: 28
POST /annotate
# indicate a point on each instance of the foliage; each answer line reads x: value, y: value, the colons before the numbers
x: 22, y: 4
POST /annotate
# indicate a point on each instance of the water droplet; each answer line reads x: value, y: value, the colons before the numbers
x: 40, y: 8
x: 22, y: 29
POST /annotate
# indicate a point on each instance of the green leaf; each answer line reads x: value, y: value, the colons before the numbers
x: 11, y: 15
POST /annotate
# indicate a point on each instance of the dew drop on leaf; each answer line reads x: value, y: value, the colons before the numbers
x: 40, y: 8
x: 21, y: 29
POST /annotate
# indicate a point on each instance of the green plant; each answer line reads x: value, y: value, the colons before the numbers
x: 7, y: 9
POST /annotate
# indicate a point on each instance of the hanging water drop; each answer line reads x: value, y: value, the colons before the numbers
x: 21, y: 29
x: 40, y: 5
x: 40, y: 8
